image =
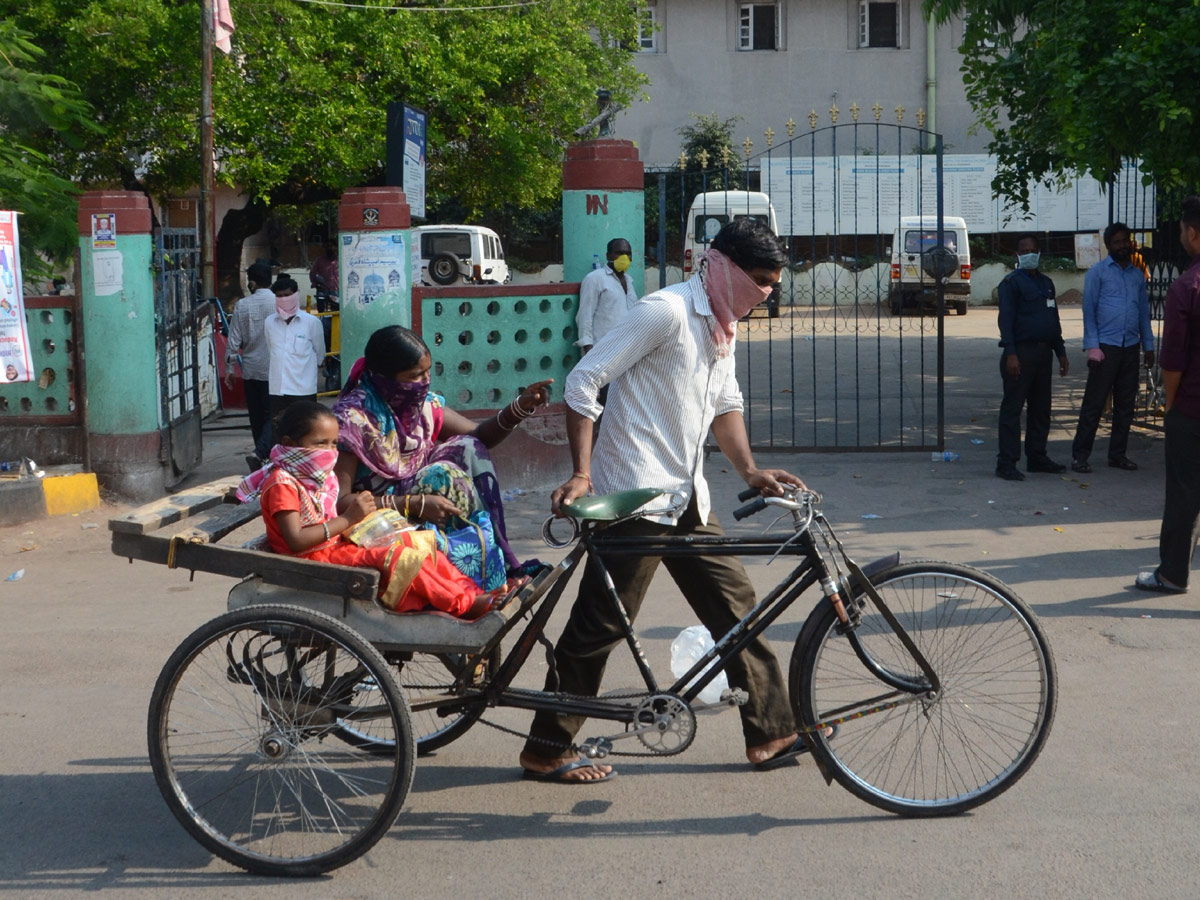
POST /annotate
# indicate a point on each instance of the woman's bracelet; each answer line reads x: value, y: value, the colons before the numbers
x: 326, y: 527
x: 500, y: 421
x: 421, y: 513
x: 518, y: 413
x: 406, y: 499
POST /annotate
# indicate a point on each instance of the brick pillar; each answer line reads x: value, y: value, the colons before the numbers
x: 121, y: 361
x: 374, y: 266
x: 603, y: 198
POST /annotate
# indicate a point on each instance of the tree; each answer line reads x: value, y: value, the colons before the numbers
x: 36, y: 108
x: 1080, y: 85
x: 300, y: 105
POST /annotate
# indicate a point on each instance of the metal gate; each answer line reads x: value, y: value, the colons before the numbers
x: 839, y: 363
x: 176, y: 289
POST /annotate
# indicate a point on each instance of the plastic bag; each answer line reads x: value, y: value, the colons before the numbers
x: 380, y: 528
x: 691, y: 644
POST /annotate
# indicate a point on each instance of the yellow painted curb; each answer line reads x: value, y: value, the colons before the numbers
x: 70, y: 493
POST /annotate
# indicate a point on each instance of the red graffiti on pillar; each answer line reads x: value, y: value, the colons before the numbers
x: 597, y: 205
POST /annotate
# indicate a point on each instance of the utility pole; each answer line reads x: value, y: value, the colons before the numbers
x: 207, y: 266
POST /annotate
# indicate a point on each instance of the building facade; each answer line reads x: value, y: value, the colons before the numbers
x: 771, y: 62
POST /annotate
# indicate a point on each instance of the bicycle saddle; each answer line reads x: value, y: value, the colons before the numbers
x: 610, y: 506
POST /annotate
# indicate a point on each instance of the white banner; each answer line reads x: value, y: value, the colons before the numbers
x: 16, y: 360
x: 868, y: 194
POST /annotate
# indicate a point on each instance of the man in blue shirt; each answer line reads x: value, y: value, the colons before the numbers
x: 1116, y: 330
x: 1031, y: 336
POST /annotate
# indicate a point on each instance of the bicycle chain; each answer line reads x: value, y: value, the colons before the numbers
x: 576, y: 748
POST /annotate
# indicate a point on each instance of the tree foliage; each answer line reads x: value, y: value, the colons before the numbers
x: 43, y: 110
x: 1081, y: 85
x: 300, y: 104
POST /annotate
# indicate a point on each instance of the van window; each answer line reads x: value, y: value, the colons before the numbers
x: 920, y: 241
x: 708, y: 224
x: 458, y: 243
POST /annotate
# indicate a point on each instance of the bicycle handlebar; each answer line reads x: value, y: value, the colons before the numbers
x: 747, y: 494
x: 756, y: 505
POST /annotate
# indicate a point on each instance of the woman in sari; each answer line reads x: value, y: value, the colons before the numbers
x: 400, y: 441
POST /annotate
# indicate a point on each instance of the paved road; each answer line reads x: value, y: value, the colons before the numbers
x: 1110, y: 810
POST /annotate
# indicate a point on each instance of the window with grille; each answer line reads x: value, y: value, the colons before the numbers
x: 878, y: 24
x: 758, y: 26
x: 647, y: 28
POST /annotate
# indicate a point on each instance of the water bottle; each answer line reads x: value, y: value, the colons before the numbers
x: 686, y: 650
x: 943, y: 456
x: 595, y: 261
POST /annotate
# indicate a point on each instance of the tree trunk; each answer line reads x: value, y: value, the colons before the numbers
x: 236, y: 226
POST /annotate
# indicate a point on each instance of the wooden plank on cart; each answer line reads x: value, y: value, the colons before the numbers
x: 301, y: 574
x: 212, y: 525
x: 174, y: 508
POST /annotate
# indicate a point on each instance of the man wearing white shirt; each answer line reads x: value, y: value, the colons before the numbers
x: 672, y: 359
x: 248, y: 347
x: 605, y: 295
x: 297, y: 344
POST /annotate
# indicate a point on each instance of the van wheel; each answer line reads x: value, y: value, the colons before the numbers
x: 894, y: 303
x: 443, y: 268
x: 960, y: 307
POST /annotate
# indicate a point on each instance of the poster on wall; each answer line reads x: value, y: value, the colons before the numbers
x: 104, y: 231
x: 375, y: 264
x: 16, y: 360
x: 414, y: 160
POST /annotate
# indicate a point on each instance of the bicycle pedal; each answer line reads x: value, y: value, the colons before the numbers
x: 735, y: 697
x: 595, y: 748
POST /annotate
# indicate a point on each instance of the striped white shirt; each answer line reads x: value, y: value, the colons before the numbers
x: 668, y: 384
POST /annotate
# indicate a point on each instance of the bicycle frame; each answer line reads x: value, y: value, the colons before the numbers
x: 595, y: 545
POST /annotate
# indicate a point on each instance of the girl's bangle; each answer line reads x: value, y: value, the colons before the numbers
x: 326, y: 528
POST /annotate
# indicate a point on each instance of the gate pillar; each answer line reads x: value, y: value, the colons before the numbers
x: 120, y: 363
x: 603, y: 198
x: 374, y: 266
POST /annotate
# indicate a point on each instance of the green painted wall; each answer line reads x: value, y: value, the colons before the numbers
x: 119, y: 339
x: 375, y: 276
x: 589, y: 226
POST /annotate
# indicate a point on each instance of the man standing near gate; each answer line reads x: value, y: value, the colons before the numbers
x: 1180, y: 363
x: 248, y: 345
x: 1030, y: 332
x: 1116, y: 329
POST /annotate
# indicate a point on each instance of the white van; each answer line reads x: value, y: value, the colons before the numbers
x: 915, y: 261
x: 710, y: 212
x: 450, y: 254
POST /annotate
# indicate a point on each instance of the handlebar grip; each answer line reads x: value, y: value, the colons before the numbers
x: 748, y: 493
x: 756, y: 505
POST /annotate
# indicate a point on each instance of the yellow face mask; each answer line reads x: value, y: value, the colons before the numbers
x: 621, y: 263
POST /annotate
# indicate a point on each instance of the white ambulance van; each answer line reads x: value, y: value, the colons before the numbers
x: 711, y: 211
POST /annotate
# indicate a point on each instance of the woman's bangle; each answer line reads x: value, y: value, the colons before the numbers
x: 406, y: 499
x: 518, y: 413
x: 421, y: 514
x: 500, y: 421
x: 326, y: 527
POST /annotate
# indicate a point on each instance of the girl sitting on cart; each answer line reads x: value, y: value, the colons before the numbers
x: 299, y: 493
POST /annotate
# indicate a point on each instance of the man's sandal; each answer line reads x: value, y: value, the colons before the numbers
x: 559, y: 775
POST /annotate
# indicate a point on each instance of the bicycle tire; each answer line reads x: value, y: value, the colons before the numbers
x: 427, y: 676
x: 424, y: 680
x: 236, y: 732
x: 976, y: 738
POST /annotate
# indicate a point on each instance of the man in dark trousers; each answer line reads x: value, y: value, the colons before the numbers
x: 1116, y: 330
x: 1180, y: 364
x: 1031, y: 336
